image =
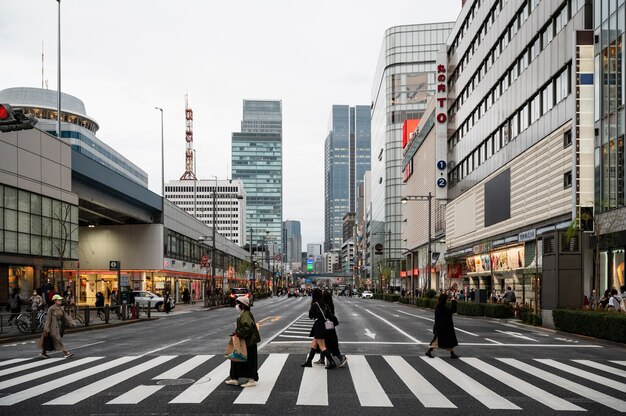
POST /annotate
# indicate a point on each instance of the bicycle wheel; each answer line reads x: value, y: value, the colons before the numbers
x: 23, y: 323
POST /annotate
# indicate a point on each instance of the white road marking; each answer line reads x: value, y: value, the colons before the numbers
x: 491, y: 340
x: 395, y: 327
x: 295, y: 336
x: 425, y: 392
x: 313, y: 387
x: 269, y: 372
x: 517, y: 335
x: 183, y: 368
x: 432, y: 320
x: 28, y: 366
x: 368, y: 389
x: 615, y: 371
x: 46, y: 372
x: 535, y: 393
x: 471, y: 386
x: 162, y: 348
x: 576, y: 388
x: 136, y: 395
x: 201, y: 389
x: 264, y: 343
x: 12, y: 361
x: 86, y: 345
x: 370, y: 334
x: 606, y: 381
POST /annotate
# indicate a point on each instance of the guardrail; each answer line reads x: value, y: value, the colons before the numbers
x: 216, y: 301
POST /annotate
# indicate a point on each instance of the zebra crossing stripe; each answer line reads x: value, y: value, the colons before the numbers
x: 43, y: 373
x: 201, y: 389
x: 183, y: 368
x: 609, y: 382
x: 535, y: 393
x: 62, y: 381
x: 576, y: 388
x: 425, y: 392
x: 269, y: 372
x: 108, y: 382
x: 368, y: 389
x: 619, y: 362
x: 472, y: 387
x: 12, y: 361
x: 615, y: 371
x: 28, y: 366
x: 136, y: 395
x: 314, y: 387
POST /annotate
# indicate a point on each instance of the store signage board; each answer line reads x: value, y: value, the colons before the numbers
x: 527, y: 235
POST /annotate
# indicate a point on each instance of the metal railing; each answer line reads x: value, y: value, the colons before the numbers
x: 216, y: 301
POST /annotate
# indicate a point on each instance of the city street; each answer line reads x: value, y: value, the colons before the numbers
x: 175, y: 365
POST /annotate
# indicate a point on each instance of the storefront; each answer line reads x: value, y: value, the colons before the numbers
x: 612, y: 268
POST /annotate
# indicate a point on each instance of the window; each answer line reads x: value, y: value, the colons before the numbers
x: 567, y: 138
x: 567, y: 180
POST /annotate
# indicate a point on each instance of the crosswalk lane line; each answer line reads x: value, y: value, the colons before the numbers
x: 535, y: 393
x: 368, y: 389
x: 576, y: 388
x: 62, y: 381
x: 425, y: 392
x: 28, y: 366
x: 108, y: 382
x: 606, y: 381
x: 136, y: 395
x: 183, y: 368
x: 12, y: 361
x: 471, y: 386
x: 313, y: 387
x: 619, y: 362
x: 201, y: 389
x: 615, y: 371
x: 268, y: 373
x: 43, y: 373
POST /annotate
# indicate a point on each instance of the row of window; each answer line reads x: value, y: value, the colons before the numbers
x: 549, y: 95
x: 36, y: 245
x: 207, y: 189
x: 529, y: 54
x: 46, y: 114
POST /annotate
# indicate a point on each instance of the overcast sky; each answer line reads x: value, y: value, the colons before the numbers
x: 122, y: 58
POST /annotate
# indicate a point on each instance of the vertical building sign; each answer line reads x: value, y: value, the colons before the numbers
x: 441, y: 126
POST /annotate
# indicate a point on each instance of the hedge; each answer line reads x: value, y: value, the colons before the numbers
x: 528, y: 317
x: 598, y: 324
x: 391, y: 297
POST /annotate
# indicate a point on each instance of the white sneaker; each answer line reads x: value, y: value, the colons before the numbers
x: 250, y: 383
x: 232, y: 382
x: 344, y: 360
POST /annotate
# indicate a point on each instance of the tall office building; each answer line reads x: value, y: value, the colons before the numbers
x: 404, y: 79
x: 347, y: 157
x: 258, y: 162
x: 292, y: 241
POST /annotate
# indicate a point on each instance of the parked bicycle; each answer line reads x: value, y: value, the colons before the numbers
x: 24, y: 321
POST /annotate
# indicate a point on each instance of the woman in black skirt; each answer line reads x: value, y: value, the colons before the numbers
x: 443, y: 331
x: 319, y: 312
x: 246, y: 330
x: 332, y: 342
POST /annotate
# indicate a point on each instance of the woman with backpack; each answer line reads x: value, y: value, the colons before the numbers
x: 318, y: 312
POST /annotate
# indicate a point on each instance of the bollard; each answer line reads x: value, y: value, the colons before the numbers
x: 106, y: 314
x: 87, y: 316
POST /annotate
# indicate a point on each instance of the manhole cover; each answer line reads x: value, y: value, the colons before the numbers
x: 174, y: 382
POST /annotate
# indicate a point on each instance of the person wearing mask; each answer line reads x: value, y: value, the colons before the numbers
x: 318, y: 312
x: 35, y: 302
x: 443, y: 332
x: 246, y: 330
x: 56, y: 320
x: 332, y: 342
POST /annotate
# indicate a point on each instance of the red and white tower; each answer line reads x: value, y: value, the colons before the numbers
x: 190, y: 173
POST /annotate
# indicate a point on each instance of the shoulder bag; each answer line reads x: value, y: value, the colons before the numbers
x: 327, y: 324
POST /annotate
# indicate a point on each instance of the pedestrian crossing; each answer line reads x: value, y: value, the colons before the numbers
x: 372, y: 381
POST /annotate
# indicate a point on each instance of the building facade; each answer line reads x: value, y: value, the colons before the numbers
x: 516, y: 84
x: 404, y: 78
x: 77, y: 127
x: 346, y: 159
x: 196, y: 198
x: 257, y: 162
x: 292, y: 241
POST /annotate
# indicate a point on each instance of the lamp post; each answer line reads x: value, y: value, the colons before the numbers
x: 162, y: 169
x: 213, y: 238
x: 252, y: 271
x: 59, y: 74
x: 428, y: 198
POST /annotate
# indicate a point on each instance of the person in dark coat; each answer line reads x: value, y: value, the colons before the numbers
x: 246, y: 330
x: 319, y: 312
x: 332, y: 342
x: 443, y: 331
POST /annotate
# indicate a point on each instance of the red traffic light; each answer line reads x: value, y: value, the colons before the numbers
x: 5, y: 111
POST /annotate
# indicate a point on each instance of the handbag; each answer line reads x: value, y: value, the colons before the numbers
x: 48, y: 344
x: 236, y: 350
x: 327, y: 324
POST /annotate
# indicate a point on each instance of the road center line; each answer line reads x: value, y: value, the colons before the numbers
x: 162, y: 348
x: 86, y: 345
x: 395, y: 327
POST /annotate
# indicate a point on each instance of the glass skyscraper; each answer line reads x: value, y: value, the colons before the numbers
x: 292, y: 242
x: 257, y: 160
x: 346, y: 159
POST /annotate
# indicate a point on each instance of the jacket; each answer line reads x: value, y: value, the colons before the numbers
x: 444, y: 327
x: 56, y: 318
x: 246, y: 328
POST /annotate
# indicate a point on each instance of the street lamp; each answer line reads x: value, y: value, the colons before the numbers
x: 428, y: 198
x: 59, y: 75
x: 162, y: 169
x: 213, y: 239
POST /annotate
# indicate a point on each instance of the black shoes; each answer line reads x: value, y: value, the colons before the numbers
x: 331, y: 365
x: 320, y: 362
x: 428, y: 353
x: 307, y: 363
x: 453, y: 355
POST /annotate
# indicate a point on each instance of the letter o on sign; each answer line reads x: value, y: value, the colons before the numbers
x: 442, y: 117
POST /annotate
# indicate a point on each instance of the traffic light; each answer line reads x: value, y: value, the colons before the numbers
x: 13, y: 120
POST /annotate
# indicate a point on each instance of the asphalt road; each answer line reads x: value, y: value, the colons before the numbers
x: 175, y: 365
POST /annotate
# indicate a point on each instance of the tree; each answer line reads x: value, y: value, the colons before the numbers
x: 63, y: 234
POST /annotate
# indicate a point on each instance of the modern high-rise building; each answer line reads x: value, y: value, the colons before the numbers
x: 257, y: 160
x: 196, y: 198
x: 347, y: 156
x: 292, y: 241
x: 404, y: 78
x: 77, y: 128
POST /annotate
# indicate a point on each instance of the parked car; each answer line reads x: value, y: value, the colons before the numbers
x: 144, y: 298
x: 240, y: 291
x: 367, y: 294
x: 292, y: 292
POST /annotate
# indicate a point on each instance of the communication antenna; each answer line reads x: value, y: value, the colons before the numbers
x: 42, y: 77
x: 189, y: 173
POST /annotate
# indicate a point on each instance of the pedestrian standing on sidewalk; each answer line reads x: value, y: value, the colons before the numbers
x: 332, y: 342
x: 443, y: 331
x: 35, y: 302
x: 166, y: 302
x: 246, y: 330
x: 15, y: 304
x: 56, y: 320
x: 318, y: 312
